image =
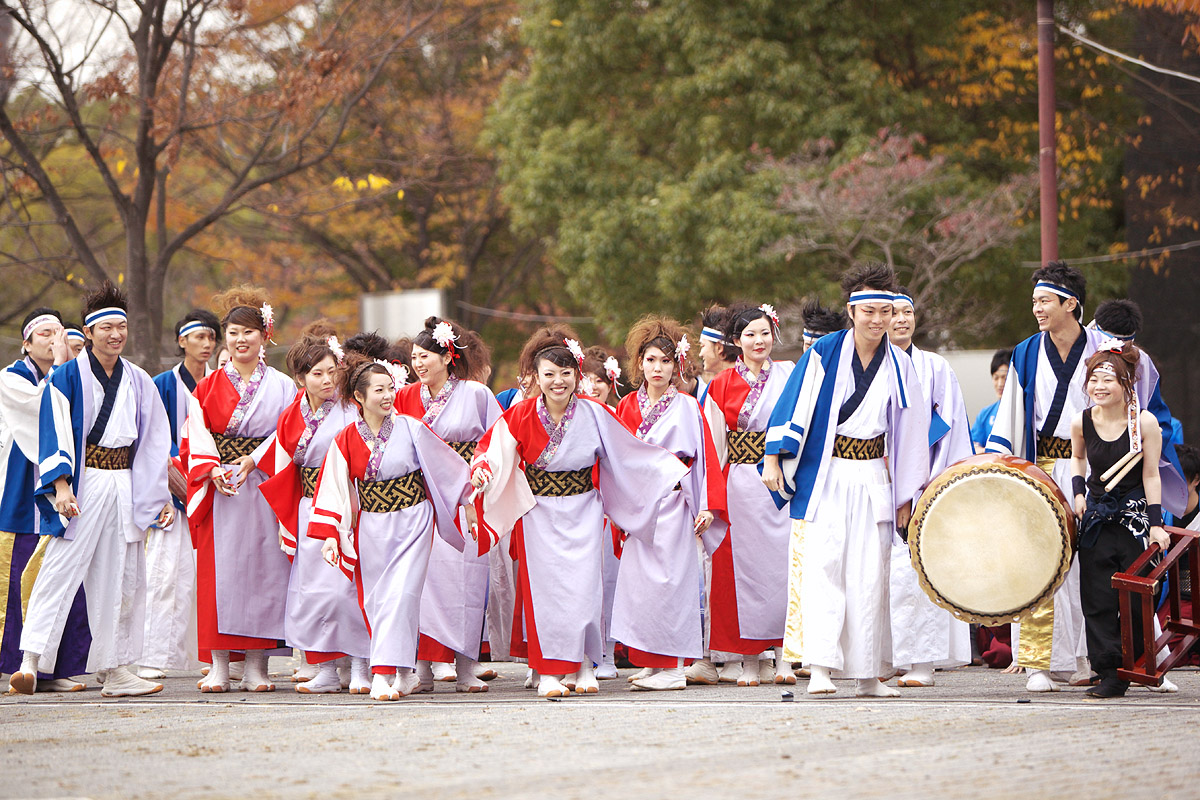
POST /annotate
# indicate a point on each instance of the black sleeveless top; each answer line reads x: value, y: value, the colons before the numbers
x: 1102, y: 454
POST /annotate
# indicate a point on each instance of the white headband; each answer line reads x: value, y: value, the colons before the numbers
x: 1106, y: 367
x: 104, y: 315
x: 1054, y: 288
x: 870, y: 296
x: 195, y: 325
x: 712, y: 335
x: 36, y: 323
x: 903, y: 298
x: 74, y: 334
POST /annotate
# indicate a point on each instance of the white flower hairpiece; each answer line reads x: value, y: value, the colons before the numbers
x: 769, y: 310
x: 335, y: 347
x: 575, y: 349
x: 443, y: 334
x: 398, y: 372
x: 587, y: 386
x: 612, y: 369
x: 268, y: 318
x: 681, y: 349
x: 1113, y: 345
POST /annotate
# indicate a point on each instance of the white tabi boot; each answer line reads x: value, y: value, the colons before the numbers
x: 61, y: 685
x: 464, y: 668
x: 642, y: 674
x: 151, y: 673
x: 381, y: 688
x: 406, y: 681
x: 254, y: 678
x: 873, y: 687
x: 306, y: 671
x: 1039, y: 681
x: 424, y: 677
x: 819, y: 681
x: 551, y: 686
x: 749, y: 676
x: 531, y: 678
x: 345, y: 673
x: 921, y: 675
x: 121, y: 682
x: 24, y: 681
x: 586, y: 679
x: 607, y: 670
x: 662, y: 680
x: 702, y: 672
x: 217, y: 679
x: 327, y: 680
x: 443, y: 672
x: 360, y: 676
x: 783, y: 669
x: 485, y: 673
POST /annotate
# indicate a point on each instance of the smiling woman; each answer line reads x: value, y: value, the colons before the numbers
x: 242, y: 574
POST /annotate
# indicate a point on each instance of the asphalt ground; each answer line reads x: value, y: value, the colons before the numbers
x: 970, y: 735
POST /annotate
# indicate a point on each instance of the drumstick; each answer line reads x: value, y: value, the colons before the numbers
x: 1117, y: 466
x: 1133, y: 462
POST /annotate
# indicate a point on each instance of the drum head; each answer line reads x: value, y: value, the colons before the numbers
x: 990, y: 543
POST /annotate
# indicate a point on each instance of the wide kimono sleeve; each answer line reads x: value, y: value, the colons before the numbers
x: 60, y: 442
x: 908, y: 435
x: 198, y: 452
x: 152, y: 452
x: 1008, y: 434
x: 704, y: 487
x: 718, y: 430
x: 507, y: 496
x: 283, y: 488
x: 948, y: 404
x: 20, y: 407
x: 335, y: 502
x: 447, y: 479
x: 635, y: 478
x: 794, y: 421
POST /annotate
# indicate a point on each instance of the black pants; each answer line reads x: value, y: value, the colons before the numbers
x: 1115, y: 550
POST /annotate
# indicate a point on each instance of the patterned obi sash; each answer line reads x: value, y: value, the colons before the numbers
x: 559, y: 484
x: 1053, y: 447
x: 858, y: 449
x: 395, y: 494
x: 464, y: 449
x: 746, y: 447
x: 308, y: 480
x: 231, y: 448
x: 97, y: 457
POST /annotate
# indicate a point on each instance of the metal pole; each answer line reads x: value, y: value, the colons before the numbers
x: 1047, y: 162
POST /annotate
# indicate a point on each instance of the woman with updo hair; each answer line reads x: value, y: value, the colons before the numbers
x: 657, y: 612
x: 1120, y: 517
x: 242, y: 575
x: 601, y: 376
x: 322, y: 617
x: 749, y: 569
x: 539, y: 464
x: 459, y: 409
x: 387, y: 483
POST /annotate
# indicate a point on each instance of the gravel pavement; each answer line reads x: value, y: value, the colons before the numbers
x: 969, y: 735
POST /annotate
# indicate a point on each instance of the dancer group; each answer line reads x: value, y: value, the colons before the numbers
x: 732, y: 517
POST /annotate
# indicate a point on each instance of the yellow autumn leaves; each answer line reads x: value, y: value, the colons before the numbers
x: 372, y: 183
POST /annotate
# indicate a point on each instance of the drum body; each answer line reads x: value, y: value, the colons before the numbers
x: 991, y: 538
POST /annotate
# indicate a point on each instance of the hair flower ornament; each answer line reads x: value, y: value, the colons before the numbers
x: 443, y: 334
x: 612, y: 369
x: 682, y: 349
x: 268, y: 318
x: 587, y: 386
x: 335, y: 347
x: 769, y: 310
x: 1113, y: 345
x: 398, y: 372
x: 576, y: 350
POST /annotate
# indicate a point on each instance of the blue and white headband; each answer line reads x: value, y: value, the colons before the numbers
x: 1054, y: 288
x: 37, y: 322
x: 903, y: 298
x: 74, y: 334
x: 195, y: 325
x: 870, y: 296
x: 712, y: 335
x: 810, y: 336
x: 105, y: 315
x: 1110, y: 334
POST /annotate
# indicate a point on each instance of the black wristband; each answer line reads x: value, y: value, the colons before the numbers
x: 1154, y: 512
x: 1078, y: 485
